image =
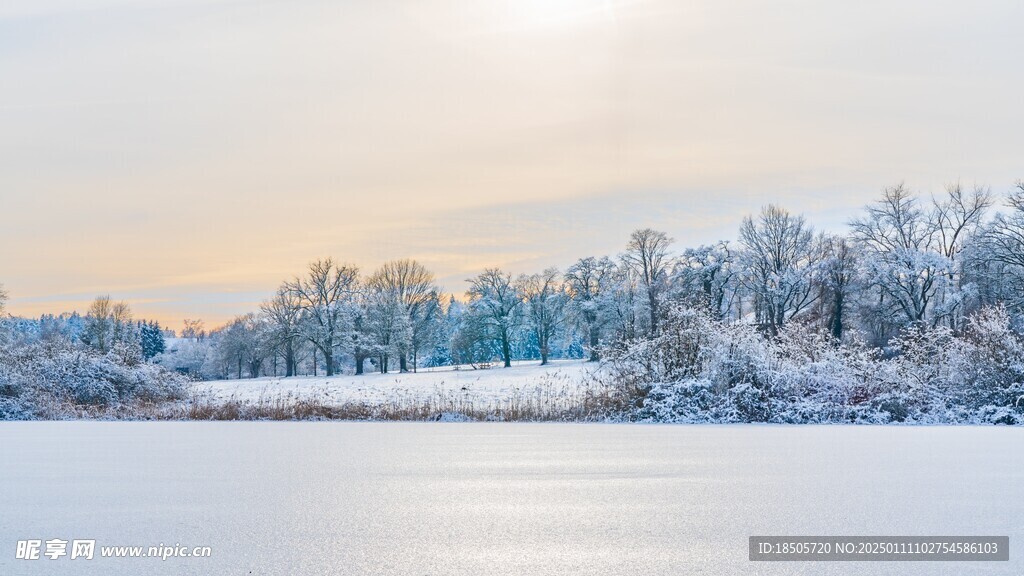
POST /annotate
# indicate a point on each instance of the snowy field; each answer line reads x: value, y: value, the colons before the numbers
x: 488, y: 387
x: 340, y: 498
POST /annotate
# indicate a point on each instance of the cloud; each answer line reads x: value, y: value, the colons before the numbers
x: 198, y: 152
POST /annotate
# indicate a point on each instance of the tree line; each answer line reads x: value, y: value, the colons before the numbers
x: 907, y: 261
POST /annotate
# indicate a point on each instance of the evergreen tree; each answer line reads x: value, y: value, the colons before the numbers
x: 152, y: 339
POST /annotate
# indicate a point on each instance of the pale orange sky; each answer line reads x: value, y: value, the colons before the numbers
x: 188, y: 155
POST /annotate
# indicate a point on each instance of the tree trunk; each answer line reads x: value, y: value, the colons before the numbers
x: 506, y: 351
x: 403, y: 365
x: 594, y: 343
x: 289, y: 360
x: 329, y: 362
x: 652, y: 300
x: 837, y: 319
x: 360, y: 360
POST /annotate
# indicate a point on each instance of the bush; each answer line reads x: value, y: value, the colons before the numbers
x: 53, y: 379
x: 702, y: 370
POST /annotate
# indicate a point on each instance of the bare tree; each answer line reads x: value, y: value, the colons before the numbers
x: 897, y: 237
x: 99, y: 329
x: 778, y: 252
x: 545, y: 298
x: 325, y: 294
x: 494, y: 300
x: 647, y: 255
x: 121, y: 315
x: 958, y: 216
x: 1003, y: 247
x: 193, y: 330
x: 284, y: 311
x: 411, y: 287
x: 246, y: 342
x: 912, y: 253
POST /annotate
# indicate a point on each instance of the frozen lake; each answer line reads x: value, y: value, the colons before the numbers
x: 488, y: 498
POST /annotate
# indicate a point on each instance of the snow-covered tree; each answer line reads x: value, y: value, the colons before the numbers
x: 474, y: 340
x: 626, y: 304
x: 912, y: 253
x: 151, y: 338
x: 386, y: 322
x: 427, y: 326
x: 779, y: 254
x: 109, y: 324
x: 493, y: 303
x: 408, y: 292
x: 1002, y: 251
x: 544, y: 302
x: 326, y: 295
x: 707, y: 276
x: 284, y: 314
x: 836, y: 276
x: 647, y: 256
x: 246, y: 342
x: 363, y: 337
x: 589, y: 282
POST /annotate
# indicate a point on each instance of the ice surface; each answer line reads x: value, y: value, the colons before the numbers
x: 498, y: 498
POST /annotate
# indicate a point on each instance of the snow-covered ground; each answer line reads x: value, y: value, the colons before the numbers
x: 487, y: 387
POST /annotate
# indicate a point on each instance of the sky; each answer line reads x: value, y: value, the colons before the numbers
x: 187, y: 156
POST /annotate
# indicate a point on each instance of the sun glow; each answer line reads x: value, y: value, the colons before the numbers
x: 504, y: 16
x: 550, y: 13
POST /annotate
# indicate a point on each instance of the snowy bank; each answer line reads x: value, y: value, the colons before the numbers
x: 561, y: 390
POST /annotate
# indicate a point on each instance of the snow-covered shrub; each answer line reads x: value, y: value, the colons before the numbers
x: 692, y: 345
x: 686, y: 401
x: 12, y: 405
x: 696, y: 369
x: 999, y: 415
x: 816, y: 379
x: 702, y: 370
x: 941, y: 376
x: 42, y: 379
x: 995, y: 354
